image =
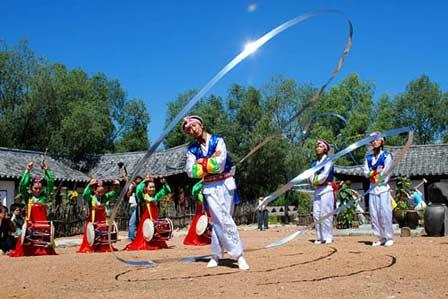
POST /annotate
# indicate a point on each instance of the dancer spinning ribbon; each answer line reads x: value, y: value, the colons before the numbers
x: 323, y: 202
x: 380, y: 208
x: 207, y: 158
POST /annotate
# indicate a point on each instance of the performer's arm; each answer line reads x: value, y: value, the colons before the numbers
x: 50, y: 182
x: 323, y: 175
x: 24, y: 184
x: 87, y: 194
x: 194, y: 170
x: 163, y: 192
x: 217, y: 162
x: 197, y: 191
x: 365, y: 169
x: 139, y: 191
x: 114, y: 193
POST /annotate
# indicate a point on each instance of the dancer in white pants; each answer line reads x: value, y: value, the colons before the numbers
x: 207, y: 159
x: 324, y: 200
x: 380, y: 208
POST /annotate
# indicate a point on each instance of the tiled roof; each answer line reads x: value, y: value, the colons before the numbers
x: 421, y: 160
x: 14, y: 161
x: 160, y: 164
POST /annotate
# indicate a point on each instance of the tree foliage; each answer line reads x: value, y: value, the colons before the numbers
x: 45, y: 105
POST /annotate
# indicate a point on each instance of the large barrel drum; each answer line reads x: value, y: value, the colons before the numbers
x: 434, y: 219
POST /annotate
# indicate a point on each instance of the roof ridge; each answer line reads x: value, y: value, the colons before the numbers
x: 8, y: 149
x: 419, y: 145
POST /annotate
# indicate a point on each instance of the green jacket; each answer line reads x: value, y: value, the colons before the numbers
x: 93, y: 200
x: 141, y: 196
x: 25, y: 183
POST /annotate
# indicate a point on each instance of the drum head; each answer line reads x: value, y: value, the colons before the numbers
x: 90, y: 232
x: 148, y: 229
x: 201, y: 225
x: 23, y: 234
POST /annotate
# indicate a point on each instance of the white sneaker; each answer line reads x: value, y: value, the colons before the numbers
x: 378, y: 243
x: 317, y: 242
x: 242, y: 263
x: 389, y: 243
x: 213, y: 262
x: 327, y: 242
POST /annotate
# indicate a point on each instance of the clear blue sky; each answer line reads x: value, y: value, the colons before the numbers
x: 158, y: 49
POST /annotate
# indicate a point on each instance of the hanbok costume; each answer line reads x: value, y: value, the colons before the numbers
x: 380, y: 207
x: 324, y: 200
x: 219, y: 191
x: 140, y: 243
x: 36, y: 214
x: 98, y: 216
x: 192, y: 238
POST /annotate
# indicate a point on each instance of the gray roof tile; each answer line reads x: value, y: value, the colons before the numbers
x: 421, y: 160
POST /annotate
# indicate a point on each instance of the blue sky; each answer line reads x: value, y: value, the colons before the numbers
x: 157, y: 49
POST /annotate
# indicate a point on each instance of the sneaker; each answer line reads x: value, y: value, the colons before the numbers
x: 327, y: 242
x: 317, y: 242
x: 242, y: 263
x: 213, y: 262
x: 389, y: 243
x: 378, y: 243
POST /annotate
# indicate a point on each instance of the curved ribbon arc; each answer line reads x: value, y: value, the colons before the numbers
x: 232, y: 64
x: 396, y: 161
x: 317, y: 95
x: 330, y: 113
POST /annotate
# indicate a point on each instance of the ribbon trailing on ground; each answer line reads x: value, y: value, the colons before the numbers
x: 310, y: 171
x: 232, y: 64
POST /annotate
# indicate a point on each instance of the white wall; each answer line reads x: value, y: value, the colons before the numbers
x: 7, y: 189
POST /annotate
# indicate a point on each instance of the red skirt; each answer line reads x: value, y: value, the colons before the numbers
x: 85, y: 247
x: 140, y: 242
x: 192, y: 238
x: 38, y: 214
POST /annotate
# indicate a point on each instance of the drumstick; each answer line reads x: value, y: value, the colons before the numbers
x: 29, y: 210
x: 424, y: 181
x: 93, y: 215
x: 149, y: 210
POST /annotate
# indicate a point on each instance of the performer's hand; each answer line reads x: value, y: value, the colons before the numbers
x: 199, y: 161
x: 43, y: 165
x: 217, y: 154
x: 92, y: 182
x: 30, y: 166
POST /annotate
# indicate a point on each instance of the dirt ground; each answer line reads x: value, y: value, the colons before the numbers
x: 415, y: 267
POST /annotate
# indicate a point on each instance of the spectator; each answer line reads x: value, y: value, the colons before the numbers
x: 17, y: 217
x: 7, y: 230
x: 263, y: 216
x: 133, y: 209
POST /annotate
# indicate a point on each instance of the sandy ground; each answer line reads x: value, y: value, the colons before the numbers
x: 415, y: 267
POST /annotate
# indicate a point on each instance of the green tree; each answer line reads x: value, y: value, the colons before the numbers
x: 423, y: 107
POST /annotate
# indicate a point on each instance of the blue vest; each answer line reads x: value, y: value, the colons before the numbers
x: 330, y: 174
x: 379, y: 162
x: 195, y: 149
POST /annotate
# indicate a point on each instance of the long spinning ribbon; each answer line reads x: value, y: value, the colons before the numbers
x: 233, y: 63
